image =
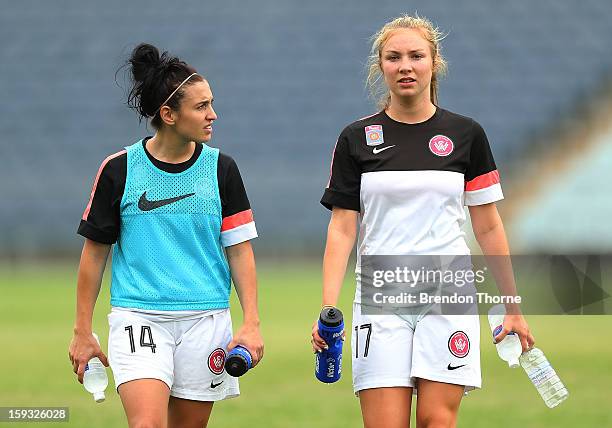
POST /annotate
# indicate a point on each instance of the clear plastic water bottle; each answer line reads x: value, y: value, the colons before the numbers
x: 95, y: 379
x: 543, y: 377
x: 510, y: 348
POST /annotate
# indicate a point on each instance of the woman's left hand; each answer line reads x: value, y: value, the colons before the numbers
x: 517, y: 324
x: 249, y: 336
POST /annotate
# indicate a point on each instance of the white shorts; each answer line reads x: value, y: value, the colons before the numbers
x: 188, y: 353
x: 393, y: 350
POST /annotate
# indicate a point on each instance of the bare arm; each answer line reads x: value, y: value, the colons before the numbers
x: 491, y: 236
x: 242, y: 266
x: 341, y: 234
x: 91, y: 269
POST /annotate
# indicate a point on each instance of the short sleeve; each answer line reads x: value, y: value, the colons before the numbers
x: 101, y: 219
x: 344, y: 183
x: 238, y: 224
x: 482, y: 182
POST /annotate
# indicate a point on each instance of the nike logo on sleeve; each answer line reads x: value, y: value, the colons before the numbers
x: 146, y: 205
x: 376, y: 150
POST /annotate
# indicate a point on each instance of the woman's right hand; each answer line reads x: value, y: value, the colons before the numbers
x: 83, y: 348
x: 318, y: 344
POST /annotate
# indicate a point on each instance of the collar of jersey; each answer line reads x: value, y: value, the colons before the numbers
x: 425, y: 122
x: 170, y: 174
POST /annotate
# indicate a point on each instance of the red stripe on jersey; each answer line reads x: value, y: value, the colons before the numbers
x: 482, y: 181
x: 238, y: 219
x: 95, y: 185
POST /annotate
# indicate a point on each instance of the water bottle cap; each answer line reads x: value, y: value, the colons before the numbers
x: 514, y: 363
x: 99, y: 396
x: 331, y: 317
x: 236, y: 365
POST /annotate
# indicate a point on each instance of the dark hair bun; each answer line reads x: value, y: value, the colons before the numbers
x: 154, y: 77
x: 144, y: 59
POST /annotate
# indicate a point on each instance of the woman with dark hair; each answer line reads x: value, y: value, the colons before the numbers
x: 178, y: 214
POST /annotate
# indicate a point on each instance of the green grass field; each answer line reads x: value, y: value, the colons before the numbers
x: 37, y: 314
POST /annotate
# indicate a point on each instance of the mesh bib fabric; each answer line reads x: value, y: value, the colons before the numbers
x: 169, y: 254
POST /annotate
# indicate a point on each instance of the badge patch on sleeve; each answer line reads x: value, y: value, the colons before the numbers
x: 374, y: 135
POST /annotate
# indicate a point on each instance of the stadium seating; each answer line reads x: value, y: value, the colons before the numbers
x: 287, y: 77
x: 572, y: 214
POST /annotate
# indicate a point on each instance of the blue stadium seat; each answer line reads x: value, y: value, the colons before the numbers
x: 288, y: 77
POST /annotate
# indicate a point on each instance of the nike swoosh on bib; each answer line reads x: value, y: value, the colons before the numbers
x: 377, y: 150
x: 455, y: 367
x: 214, y: 385
x: 146, y: 205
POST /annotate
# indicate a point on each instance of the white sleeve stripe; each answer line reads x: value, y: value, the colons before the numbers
x: 239, y: 234
x: 484, y: 196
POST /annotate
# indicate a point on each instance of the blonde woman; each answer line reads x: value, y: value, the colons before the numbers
x: 401, y: 177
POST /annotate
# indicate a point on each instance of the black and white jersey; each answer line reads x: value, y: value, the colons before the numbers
x: 410, y: 182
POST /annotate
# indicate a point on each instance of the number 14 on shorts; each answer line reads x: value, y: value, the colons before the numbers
x: 145, y: 333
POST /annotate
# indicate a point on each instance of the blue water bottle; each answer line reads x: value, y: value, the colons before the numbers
x: 238, y: 361
x: 328, y: 362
